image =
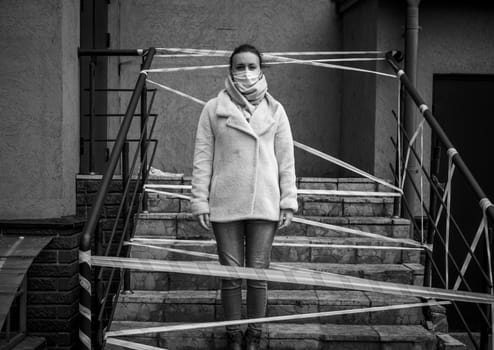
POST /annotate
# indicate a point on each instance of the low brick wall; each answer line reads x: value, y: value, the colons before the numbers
x: 53, y: 279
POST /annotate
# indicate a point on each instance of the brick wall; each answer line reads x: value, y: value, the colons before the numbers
x: 53, y: 279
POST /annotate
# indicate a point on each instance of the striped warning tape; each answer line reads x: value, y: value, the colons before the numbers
x: 299, y: 191
x: 316, y: 63
x: 358, y: 232
x: 131, y: 345
x: 345, y: 165
x: 296, y: 144
x: 162, y: 50
x: 330, y: 226
x: 156, y: 242
x: 202, y: 325
x: 313, y: 278
x: 218, y: 66
x: 328, y: 65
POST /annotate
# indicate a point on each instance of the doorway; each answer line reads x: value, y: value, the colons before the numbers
x: 464, y: 107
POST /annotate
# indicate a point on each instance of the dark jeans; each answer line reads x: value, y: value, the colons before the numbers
x: 244, y: 243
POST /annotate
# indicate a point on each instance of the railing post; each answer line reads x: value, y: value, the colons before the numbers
x: 485, y: 329
x: 125, y: 178
x: 144, y: 163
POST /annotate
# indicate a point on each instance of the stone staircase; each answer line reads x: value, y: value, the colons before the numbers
x: 172, y: 298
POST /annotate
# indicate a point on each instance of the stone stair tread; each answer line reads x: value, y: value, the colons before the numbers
x: 322, y: 297
x: 308, y: 333
x: 350, y: 268
x: 357, y: 241
x: 382, y: 196
x: 368, y: 220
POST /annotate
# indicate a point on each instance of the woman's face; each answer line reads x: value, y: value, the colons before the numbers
x: 246, y: 61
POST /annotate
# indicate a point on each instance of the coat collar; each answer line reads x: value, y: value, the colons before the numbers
x: 262, y: 119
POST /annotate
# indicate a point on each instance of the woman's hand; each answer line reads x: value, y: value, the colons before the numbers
x: 204, y: 221
x: 286, y: 216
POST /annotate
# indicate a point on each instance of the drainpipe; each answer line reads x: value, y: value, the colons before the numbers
x: 410, y: 121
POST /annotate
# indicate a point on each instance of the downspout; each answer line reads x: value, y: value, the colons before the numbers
x: 410, y: 121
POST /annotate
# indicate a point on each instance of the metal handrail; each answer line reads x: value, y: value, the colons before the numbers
x: 391, y: 57
x: 91, y: 223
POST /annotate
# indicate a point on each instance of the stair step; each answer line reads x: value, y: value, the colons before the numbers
x: 340, y: 183
x: 398, y: 273
x: 205, y: 306
x: 183, y: 226
x: 292, y: 336
x: 313, y: 205
x: 31, y: 343
x: 347, y: 255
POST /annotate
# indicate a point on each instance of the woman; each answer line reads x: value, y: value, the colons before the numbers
x: 243, y: 182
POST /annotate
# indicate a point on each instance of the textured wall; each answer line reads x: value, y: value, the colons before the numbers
x: 39, y: 126
x: 455, y: 38
x: 311, y: 96
x: 358, y: 108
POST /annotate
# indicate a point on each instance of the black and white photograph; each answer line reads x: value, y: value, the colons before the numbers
x: 246, y: 175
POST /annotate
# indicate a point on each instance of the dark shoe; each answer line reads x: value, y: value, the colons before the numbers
x: 252, y: 339
x: 234, y: 340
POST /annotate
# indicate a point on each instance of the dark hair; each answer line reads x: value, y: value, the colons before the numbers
x: 246, y: 48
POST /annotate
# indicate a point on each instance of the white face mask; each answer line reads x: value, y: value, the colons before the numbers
x: 246, y: 78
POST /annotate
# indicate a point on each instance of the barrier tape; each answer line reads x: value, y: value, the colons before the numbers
x: 280, y: 244
x: 329, y: 226
x: 483, y: 228
x: 358, y: 232
x: 202, y: 325
x: 217, y: 66
x: 313, y: 278
x: 206, y: 52
x: 131, y: 345
x: 176, y: 92
x: 277, y: 56
x: 151, y: 187
x: 345, y: 165
x: 420, y: 128
x: 358, y: 59
x: 296, y: 144
x: 328, y: 65
x: 170, y: 194
x: 276, y: 266
x: 85, y: 340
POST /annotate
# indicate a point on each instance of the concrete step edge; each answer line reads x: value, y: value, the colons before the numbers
x: 316, y: 331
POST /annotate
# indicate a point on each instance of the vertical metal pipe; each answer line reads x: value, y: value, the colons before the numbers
x: 410, y: 116
x: 125, y: 178
x: 92, y: 110
x: 144, y: 123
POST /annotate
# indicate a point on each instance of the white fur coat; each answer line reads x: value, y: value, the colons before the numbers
x: 243, y: 170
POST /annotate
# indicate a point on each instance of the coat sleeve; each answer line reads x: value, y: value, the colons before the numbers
x: 286, y: 163
x: 203, y: 163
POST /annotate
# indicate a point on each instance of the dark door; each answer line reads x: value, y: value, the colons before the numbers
x: 464, y: 107
x: 94, y: 23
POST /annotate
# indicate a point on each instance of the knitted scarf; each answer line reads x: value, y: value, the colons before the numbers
x: 250, y: 98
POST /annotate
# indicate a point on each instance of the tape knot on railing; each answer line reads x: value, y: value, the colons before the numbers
x: 423, y: 108
x: 485, y: 203
x: 451, y: 152
x: 145, y: 72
